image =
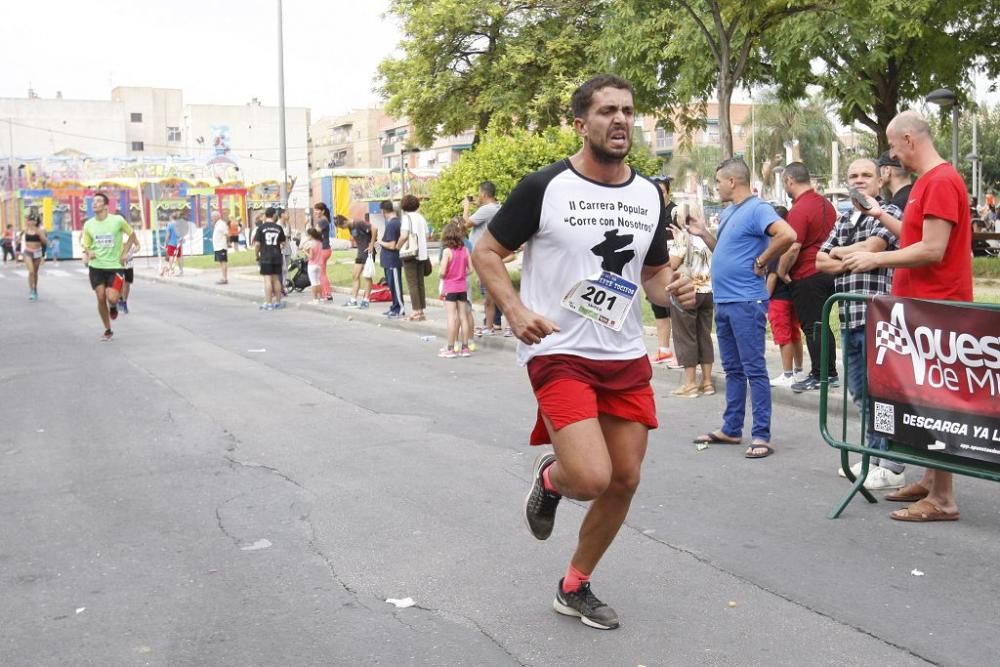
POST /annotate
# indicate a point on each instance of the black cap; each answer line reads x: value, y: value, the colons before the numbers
x: 886, y: 160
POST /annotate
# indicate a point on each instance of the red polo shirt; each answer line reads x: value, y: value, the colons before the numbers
x: 940, y: 193
x: 812, y: 217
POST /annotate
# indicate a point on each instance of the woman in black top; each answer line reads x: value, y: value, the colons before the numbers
x: 321, y: 219
x: 33, y: 252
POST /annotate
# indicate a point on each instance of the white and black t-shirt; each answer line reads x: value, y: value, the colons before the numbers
x: 572, y: 228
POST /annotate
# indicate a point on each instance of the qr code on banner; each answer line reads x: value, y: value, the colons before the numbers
x: 885, y: 418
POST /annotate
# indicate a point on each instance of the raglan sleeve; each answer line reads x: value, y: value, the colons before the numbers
x: 657, y: 253
x: 519, y: 217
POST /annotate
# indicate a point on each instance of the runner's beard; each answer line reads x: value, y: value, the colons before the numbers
x: 606, y: 156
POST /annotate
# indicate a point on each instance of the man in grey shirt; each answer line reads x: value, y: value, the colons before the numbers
x: 476, y: 224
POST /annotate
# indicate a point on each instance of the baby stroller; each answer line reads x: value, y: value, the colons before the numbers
x: 298, y: 273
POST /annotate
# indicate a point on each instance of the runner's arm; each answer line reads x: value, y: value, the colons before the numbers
x: 487, y: 256
x: 661, y: 283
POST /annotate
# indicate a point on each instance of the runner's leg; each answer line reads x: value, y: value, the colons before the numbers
x: 102, y: 306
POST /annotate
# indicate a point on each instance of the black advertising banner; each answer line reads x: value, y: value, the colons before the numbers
x: 934, y: 375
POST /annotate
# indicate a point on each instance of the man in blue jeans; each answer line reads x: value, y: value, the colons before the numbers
x: 389, y: 257
x: 858, y: 230
x: 750, y: 235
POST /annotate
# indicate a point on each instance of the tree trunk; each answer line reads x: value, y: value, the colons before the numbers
x: 725, y: 126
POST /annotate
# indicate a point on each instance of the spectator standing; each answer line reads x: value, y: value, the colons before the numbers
x: 313, y: 247
x: 812, y: 217
x: 663, y: 354
x: 693, y: 347
x: 933, y: 262
x: 220, y: 233
x: 234, y: 232
x: 750, y: 235
x: 8, y: 243
x: 414, y: 225
x: 896, y: 182
x: 476, y: 224
x: 361, y: 232
x: 268, y: 241
x: 322, y: 218
x: 389, y: 258
x: 785, y: 328
x: 858, y: 230
x: 456, y: 265
x: 174, y: 246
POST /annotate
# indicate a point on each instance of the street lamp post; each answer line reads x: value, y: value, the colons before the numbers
x: 945, y: 99
x: 283, y: 187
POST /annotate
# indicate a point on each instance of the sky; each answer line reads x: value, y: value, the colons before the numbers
x: 217, y: 52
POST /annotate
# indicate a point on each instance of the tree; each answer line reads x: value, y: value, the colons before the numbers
x: 873, y: 56
x: 469, y: 63
x: 505, y: 157
x: 776, y: 122
x: 677, y: 52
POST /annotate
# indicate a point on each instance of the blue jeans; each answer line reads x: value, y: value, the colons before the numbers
x: 853, y: 341
x: 394, y: 282
x: 741, y: 328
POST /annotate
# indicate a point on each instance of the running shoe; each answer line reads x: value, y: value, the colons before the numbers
x: 265, y: 306
x: 363, y: 305
x: 447, y: 353
x: 811, y: 383
x: 351, y: 303
x: 113, y: 312
x: 540, y: 505
x: 583, y: 604
x: 466, y: 352
x: 32, y: 295
x: 508, y: 333
x: 123, y: 306
x: 108, y: 334
x: 279, y: 305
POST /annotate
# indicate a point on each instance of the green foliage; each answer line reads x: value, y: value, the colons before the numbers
x: 875, y: 56
x: 698, y: 160
x: 678, y: 52
x: 777, y: 121
x: 505, y: 157
x: 467, y: 63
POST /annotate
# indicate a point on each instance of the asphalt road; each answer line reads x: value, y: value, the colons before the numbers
x: 223, y: 486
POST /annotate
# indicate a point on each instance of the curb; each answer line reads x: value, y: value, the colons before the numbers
x: 806, y: 401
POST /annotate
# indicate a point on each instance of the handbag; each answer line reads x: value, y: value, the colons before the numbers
x: 369, y: 269
x: 428, y: 269
x: 411, y: 247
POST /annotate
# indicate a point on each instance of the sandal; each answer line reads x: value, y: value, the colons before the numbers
x: 707, y: 389
x: 759, y: 445
x: 910, y: 493
x: 686, y: 391
x: 714, y: 438
x: 921, y: 511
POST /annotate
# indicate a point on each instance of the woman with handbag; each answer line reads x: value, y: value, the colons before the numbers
x: 413, y: 252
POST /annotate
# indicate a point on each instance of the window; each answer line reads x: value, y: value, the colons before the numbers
x: 173, y: 133
x: 137, y: 146
x: 136, y: 117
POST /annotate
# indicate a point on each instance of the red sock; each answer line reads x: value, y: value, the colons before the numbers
x: 574, y: 579
x: 546, y: 482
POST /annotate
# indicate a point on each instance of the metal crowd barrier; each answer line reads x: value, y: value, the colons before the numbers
x: 897, y: 451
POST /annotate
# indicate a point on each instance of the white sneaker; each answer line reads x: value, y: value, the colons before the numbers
x: 783, y: 380
x: 881, y: 479
x: 855, y: 470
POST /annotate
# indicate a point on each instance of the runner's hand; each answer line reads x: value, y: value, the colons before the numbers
x: 682, y: 290
x: 530, y: 328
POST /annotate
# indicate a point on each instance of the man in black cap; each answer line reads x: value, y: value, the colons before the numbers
x: 895, y: 179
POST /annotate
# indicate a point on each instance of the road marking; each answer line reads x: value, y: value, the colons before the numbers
x: 58, y: 273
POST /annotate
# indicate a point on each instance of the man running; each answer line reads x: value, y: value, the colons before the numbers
x: 106, y: 255
x: 268, y: 242
x: 593, y: 230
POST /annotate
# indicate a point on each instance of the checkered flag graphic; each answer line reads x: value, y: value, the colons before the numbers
x: 889, y: 337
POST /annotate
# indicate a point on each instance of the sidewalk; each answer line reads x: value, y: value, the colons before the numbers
x: 245, y: 283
